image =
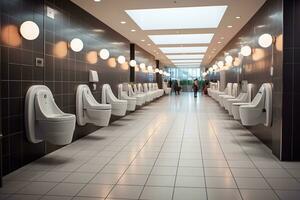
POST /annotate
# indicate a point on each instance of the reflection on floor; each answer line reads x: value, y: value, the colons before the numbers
x: 176, y: 148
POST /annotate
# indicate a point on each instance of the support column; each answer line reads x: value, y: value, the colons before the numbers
x: 158, y: 76
x: 132, y: 69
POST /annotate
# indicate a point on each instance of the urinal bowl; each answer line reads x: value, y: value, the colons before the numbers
x: 57, y: 132
x: 131, y: 104
x: 140, y: 100
x: 119, y: 108
x: 235, y: 109
x: 98, y: 117
x: 251, y: 116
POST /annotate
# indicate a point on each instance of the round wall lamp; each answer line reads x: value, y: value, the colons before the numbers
x: 132, y: 63
x: 76, y: 44
x: 229, y: 59
x: 215, y: 67
x: 246, y: 50
x: 160, y: 72
x: 210, y: 69
x: 156, y: 70
x: 220, y: 64
x: 121, y: 59
x: 142, y: 66
x: 265, y: 40
x: 150, y: 68
x: 29, y: 30
x: 104, y: 54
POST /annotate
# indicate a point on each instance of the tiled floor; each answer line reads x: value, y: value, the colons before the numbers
x: 177, y: 148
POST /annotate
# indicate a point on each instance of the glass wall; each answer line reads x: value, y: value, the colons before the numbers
x: 184, y: 73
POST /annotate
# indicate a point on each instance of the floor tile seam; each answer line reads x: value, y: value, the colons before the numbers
x: 185, y: 121
x: 214, y: 131
x: 157, y: 157
x: 154, y: 131
x: 146, y: 124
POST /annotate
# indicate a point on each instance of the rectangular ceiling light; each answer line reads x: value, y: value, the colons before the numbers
x: 178, y: 18
x: 182, y: 38
x: 170, y: 50
x: 185, y: 56
x: 188, y: 66
x: 186, y: 61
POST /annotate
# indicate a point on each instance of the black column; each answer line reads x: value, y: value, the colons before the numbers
x: 158, y: 76
x: 132, y: 69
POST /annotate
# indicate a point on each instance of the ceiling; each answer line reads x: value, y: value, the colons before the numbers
x: 217, y: 33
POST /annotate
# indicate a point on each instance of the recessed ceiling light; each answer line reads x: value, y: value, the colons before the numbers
x: 187, y: 61
x: 133, y: 30
x: 149, y: 44
x: 123, y: 22
x: 238, y: 17
x: 182, y: 38
x: 229, y: 26
x: 143, y: 40
x: 187, y: 56
x: 219, y: 42
x: 183, y: 49
x: 97, y: 0
x: 222, y: 38
x: 178, y: 18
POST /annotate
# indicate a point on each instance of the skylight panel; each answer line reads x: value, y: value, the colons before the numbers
x: 187, y: 61
x: 178, y: 18
x: 185, y: 56
x: 182, y: 39
x: 170, y: 50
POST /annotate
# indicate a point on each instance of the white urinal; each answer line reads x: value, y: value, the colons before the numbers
x: 118, y: 106
x: 44, y: 121
x: 88, y: 110
x: 259, y: 111
x: 146, y: 90
x: 141, y: 89
x: 160, y: 91
x: 140, y: 98
x: 233, y: 95
x: 151, y: 89
x: 131, y: 101
x: 166, y: 89
x: 233, y: 106
x: 227, y: 91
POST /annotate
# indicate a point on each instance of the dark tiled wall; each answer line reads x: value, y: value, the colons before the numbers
x: 63, y: 70
x: 142, y: 56
x: 256, y: 68
x: 291, y: 86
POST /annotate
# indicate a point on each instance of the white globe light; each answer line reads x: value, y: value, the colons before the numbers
x: 246, y: 51
x: 210, y: 69
x: 29, y: 30
x: 150, y: 68
x: 265, y: 40
x: 156, y: 70
x: 76, y: 44
x: 142, y: 66
x: 220, y: 64
x: 160, y: 72
x: 215, y: 67
x: 132, y: 63
x: 121, y: 59
x: 104, y: 54
x: 229, y: 59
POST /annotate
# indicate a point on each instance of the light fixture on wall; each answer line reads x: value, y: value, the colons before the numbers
x: 210, y: 69
x: 160, y: 72
x: 215, y: 67
x: 104, y: 54
x: 132, y: 63
x: 265, y: 40
x: 150, y: 68
x: 29, y: 30
x: 220, y: 64
x: 142, y: 66
x: 246, y: 50
x: 76, y: 44
x: 229, y: 59
x: 121, y: 59
x: 156, y: 70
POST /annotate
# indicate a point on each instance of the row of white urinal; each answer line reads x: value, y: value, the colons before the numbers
x: 241, y: 106
x: 44, y: 121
